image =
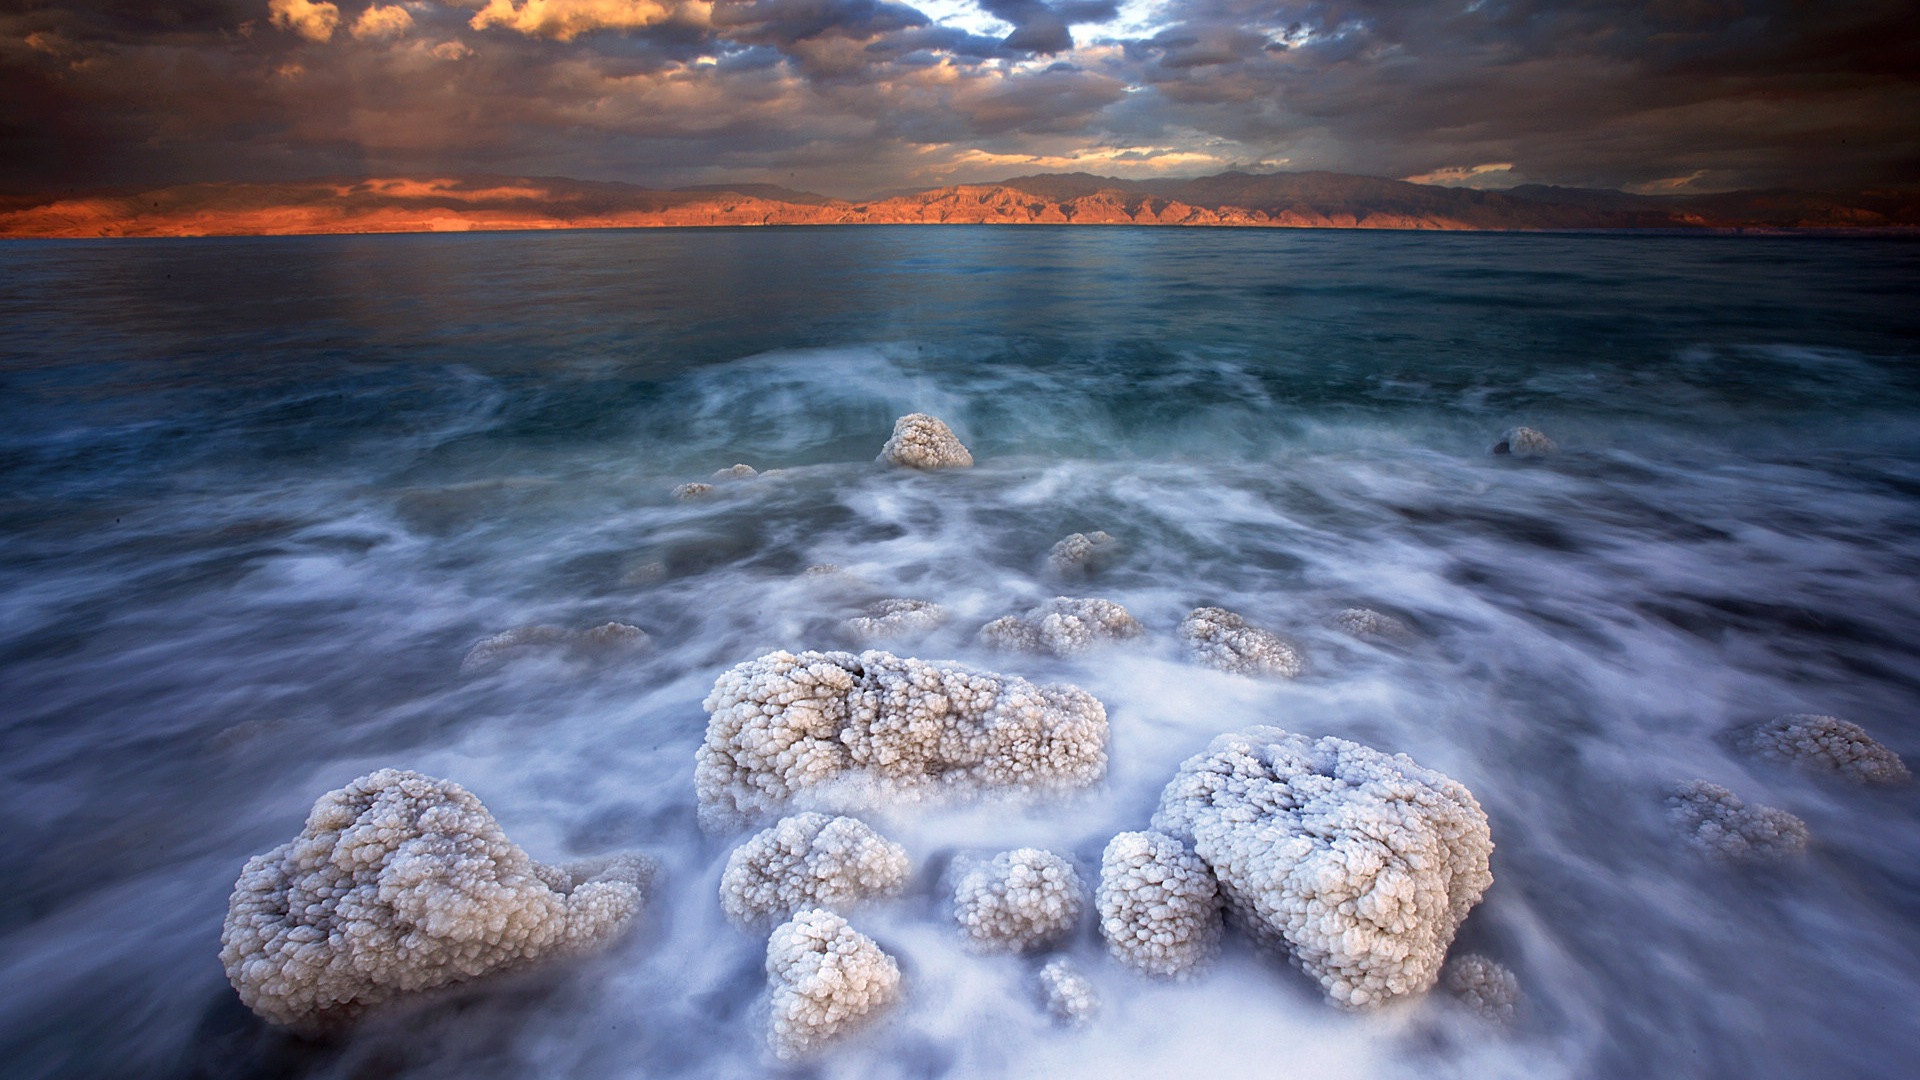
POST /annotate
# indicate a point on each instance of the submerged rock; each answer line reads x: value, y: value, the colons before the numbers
x: 827, y: 979
x: 1484, y: 986
x: 1081, y: 554
x: 920, y: 441
x: 1359, y: 865
x: 1066, y: 993
x: 1370, y: 625
x: 810, y: 860
x: 897, y: 618
x: 1063, y: 626
x: 1017, y: 901
x: 1823, y: 744
x: 401, y: 884
x: 604, y: 640
x: 1717, y: 824
x: 1219, y: 639
x: 693, y: 490
x: 1525, y: 442
x: 1159, y: 905
x: 737, y: 472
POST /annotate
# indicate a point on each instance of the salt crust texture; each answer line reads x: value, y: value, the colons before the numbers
x: 827, y: 978
x: 897, y: 618
x: 1017, y: 901
x: 925, y: 442
x: 1219, y: 639
x: 1824, y: 744
x: 1525, y: 442
x: 1370, y: 625
x: 399, y: 884
x: 1482, y: 985
x: 837, y: 730
x: 1063, y: 626
x: 1359, y: 864
x: 1081, y: 554
x: 1068, y: 995
x: 1159, y: 905
x: 603, y: 640
x: 810, y: 860
x: 692, y: 490
x: 1717, y: 824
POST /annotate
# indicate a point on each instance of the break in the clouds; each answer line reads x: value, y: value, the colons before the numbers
x: 853, y: 96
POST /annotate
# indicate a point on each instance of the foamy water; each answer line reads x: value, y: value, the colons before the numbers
x: 264, y: 496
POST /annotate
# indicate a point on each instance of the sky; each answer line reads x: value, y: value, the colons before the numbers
x: 858, y: 97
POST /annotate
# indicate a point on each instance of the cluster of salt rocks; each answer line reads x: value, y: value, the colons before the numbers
x: 1063, y: 626
x: 1222, y: 640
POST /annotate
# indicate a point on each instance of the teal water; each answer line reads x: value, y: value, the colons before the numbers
x: 259, y: 497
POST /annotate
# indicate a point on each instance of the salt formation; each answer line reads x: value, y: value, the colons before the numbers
x: 1486, y: 987
x: 1158, y: 903
x: 692, y: 490
x: 1067, y: 993
x: 896, y: 618
x: 836, y: 730
x: 1219, y: 639
x: 827, y: 978
x: 1063, y: 626
x: 1717, y: 824
x: 810, y: 860
x: 1017, y: 901
x: 737, y: 472
x: 925, y: 442
x: 1359, y: 864
x: 1370, y: 625
x: 605, y: 639
x: 1823, y: 744
x: 400, y: 884
x: 1081, y: 554
x: 1525, y: 442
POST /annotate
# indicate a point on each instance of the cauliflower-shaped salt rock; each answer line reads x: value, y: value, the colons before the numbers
x: 1220, y: 639
x: 827, y: 979
x: 1081, y: 554
x: 1717, y: 824
x: 809, y: 860
x: 399, y: 884
x: 1359, y: 864
x: 604, y: 640
x: 1525, y: 442
x: 1159, y: 905
x: 1824, y: 744
x: 1067, y: 993
x: 841, y: 731
x: 1063, y: 626
x: 1483, y: 985
x: 897, y: 618
x: 925, y: 442
x: 1370, y: 625
x: 691, y: 490
x: 1017, y: 901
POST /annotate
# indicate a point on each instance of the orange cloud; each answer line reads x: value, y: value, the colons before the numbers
x: 315, y: 22
x: 382, y: 22
x: 564, y: 20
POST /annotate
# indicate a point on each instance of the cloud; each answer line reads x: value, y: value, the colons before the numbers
x: 315, y: 22
x: 564, y: 20
x: 1039, y: 27
x: 390, y: 21
x: 1492, y: 175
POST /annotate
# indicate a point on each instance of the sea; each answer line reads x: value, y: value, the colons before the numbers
x: 259, y: 498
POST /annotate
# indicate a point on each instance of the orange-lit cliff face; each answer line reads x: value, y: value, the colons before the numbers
x: 1305, y: 200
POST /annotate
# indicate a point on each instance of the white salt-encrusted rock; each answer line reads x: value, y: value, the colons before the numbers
x: 1017, y: 901
x: 827, y: 978
x: 1824, y: 744
x: 1068, y: 994
x: 1219, y: 639
x: 400, y: 884
x: 925, y: 442
x: 1063, y: 626
x: 737, y: 472
x: 1081, y: 554
x: 838, y: 731
x: 692, y: 490
x: 607, y: 639
x: 1370, y: 625
x: 1482, y: 985
x: 888, y: 620
x: 810, y: 860
x: 1159, y: 905
x: 1525, y: 442
x: 1717, y: 824
x: 1360, y: 865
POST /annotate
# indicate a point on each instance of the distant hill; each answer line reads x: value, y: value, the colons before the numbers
x: 1274, y: 200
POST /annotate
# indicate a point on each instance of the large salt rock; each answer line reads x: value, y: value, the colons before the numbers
x: 1063, y: 626
x: 925, y: 442
x: 1159, y: 905
x: 1823, y: 744
x: 1224, y: 641
x: 1360, y: 865
x: 810, y: 860
x: 838, y: 731
x: 1719, y: 825
x: 401, y: 884
x: 1017, y: 901
x: 827, y: 978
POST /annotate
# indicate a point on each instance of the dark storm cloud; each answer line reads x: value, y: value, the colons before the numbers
x: 854, y: 95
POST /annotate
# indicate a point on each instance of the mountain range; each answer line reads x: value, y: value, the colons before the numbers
x: 1285, y: 200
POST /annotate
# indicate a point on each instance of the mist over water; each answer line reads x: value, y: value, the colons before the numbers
x: 261, y: 496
